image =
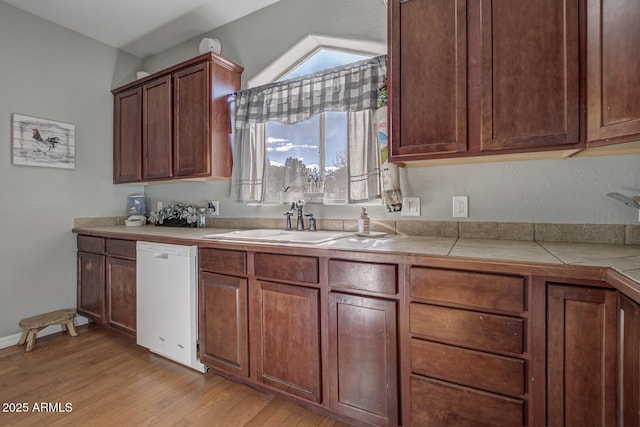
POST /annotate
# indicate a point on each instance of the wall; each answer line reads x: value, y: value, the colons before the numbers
x: 556, y: 191
x: 49, y: 72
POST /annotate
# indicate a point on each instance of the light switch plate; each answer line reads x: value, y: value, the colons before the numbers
x: 410, y: 206
x: 213, y: 208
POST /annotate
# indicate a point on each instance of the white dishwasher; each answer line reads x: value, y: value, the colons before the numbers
x: 167, y: 301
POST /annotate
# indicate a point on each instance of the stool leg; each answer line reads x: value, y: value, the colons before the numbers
x: 63, y: 327
x: 71, y: 328
x: 31, y: 339
x: 23, y: 337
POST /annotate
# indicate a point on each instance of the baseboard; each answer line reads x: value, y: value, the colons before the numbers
x: 11, y: 340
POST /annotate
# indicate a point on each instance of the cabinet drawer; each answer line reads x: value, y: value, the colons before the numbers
x: 121, y: 248
x: 90, y: 244
x: 478, y: 290
x: 223, y: 261
x: 286, y: 267
x: 465, y: 328
x: 363, y: 276
x: 436, y: 403
x: 473, y: 368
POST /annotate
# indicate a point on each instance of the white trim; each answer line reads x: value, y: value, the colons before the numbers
x: 12, y: 340
x: 308, y: 46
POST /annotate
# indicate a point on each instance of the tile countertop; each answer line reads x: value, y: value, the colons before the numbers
x: 623, y: 258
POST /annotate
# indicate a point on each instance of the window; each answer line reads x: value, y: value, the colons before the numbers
x: 311, y: 155
x: 308, y: 160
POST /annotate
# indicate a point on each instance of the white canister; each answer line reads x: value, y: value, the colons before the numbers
x: 210, y: 45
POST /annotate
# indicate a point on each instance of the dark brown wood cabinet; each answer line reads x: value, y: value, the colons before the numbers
x: 157, y: 129
x: 474, y: 78
x: 581, y: 356
x: 391, y: 339
x: 224, y: 333
x: 287, y: 346
x: 176, y: 123
x: 121, y: 285
x: 223, y: 302
x: 468, y: 358
x: 363, y: 340
x: 127, y: 136
x: 363, y: 360
x: 427, y: 77
x: 628, y: 362
x: 530, y: 77
x: 613, y: 76
x: 107, y: 282
x: 91, y: 292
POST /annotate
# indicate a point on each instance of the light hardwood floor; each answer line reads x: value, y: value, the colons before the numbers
x: 110, y: 381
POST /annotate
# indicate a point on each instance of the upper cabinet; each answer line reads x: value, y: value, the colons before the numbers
x: 427, y: 77
x: 529, y: 77
x: 613, y: 71
x: 177, y: 123
x: 476, y: 78
x: 127, y: 136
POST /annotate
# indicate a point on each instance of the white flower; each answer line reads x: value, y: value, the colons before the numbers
x: 179, y: 211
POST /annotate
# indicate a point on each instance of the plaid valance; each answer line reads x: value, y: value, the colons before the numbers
x: 352, y: 87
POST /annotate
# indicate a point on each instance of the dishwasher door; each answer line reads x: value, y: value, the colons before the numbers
x: 167, y: 301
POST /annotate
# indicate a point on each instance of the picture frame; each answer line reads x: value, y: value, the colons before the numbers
x: 42, y: 142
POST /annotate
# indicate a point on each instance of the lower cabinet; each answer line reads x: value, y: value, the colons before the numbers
x: 363, y: 366
x: 107, y: 282
x: 223, y: 323
x: 629, y: 362
x: 287, y: 324
x: 467, y: 351
x: 91, y: 295
x: 581, y: 356
x: 121, y: 294
x: 440, y: 403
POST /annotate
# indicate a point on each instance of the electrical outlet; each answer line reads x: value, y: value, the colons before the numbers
x: 213, y: 208
x: 410, y: 206
x: 460, y: 206
x: 158, y: 206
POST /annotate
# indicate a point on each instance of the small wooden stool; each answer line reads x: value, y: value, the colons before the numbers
x: 32, y: 325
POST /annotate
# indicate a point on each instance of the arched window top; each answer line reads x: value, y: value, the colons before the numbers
x: 294, y: 61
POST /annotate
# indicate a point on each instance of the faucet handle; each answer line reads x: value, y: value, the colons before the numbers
x: 288, y: 215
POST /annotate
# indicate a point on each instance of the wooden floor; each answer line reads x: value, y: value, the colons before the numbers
x: 107, y: 380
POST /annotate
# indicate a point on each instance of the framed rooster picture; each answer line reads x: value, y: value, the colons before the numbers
x: 42, y: 142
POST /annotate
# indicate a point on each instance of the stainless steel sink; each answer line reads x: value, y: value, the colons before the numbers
x: 282, y: 236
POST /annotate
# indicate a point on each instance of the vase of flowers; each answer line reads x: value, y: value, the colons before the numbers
x: 178, y: 215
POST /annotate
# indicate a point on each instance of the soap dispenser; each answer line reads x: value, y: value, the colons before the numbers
x: 363, y: 222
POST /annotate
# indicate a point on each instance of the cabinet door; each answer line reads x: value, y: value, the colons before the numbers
x: 629, y: 362
x: 91, y: 286
x: 121, y: 294
x: 223, y: 323
x: 428, y: 77
x: 157, y: 132
x: 581, y: 356
x: 191, y: 126
x: 613, y: 70
x: 288, y: 328
x: 363, y: 369
x: 127, y: 136
x: 530, y: 74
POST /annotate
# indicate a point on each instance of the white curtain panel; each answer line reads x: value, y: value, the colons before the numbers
x: 364, y: 157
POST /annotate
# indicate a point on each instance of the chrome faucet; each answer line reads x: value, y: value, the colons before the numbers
x: 298, y: 205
